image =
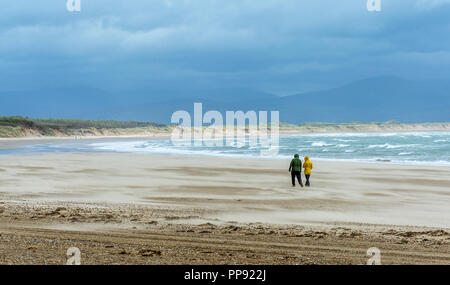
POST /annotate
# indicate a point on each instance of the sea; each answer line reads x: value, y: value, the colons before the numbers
x: 428, y: 148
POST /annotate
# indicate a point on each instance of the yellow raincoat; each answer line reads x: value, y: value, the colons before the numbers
x: 307, y: 165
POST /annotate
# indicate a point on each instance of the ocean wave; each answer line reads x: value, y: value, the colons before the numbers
x: 342, y: 145
x: 345, y: 140
x: 391, y: 161
x: 378, y: 145
x: 401, y: 146
x: 391, y: 146
x: 403, y: 149
x: 320, y: 144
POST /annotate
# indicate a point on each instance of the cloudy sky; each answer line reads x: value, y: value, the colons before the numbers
x: 283, y: 47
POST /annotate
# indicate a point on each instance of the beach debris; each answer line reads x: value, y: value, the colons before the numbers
x: 57, y: 211
x: 207, y: 226
x: 403, y: 241
x: 123, y: 252
x: 149, y: 252
x: 233, y: 228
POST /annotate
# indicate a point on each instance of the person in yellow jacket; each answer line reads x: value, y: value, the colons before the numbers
x: 307, y: 165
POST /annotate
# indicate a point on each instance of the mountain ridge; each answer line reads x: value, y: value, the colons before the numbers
x: 376, y: 99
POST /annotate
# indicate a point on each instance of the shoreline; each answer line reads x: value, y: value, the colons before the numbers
x: 168, y: 135
x: 16, y: 143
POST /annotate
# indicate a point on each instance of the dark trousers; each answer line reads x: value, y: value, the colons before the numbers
x: 299, y: 177
x: 307, y: 179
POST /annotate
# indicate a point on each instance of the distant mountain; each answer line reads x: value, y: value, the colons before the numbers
x: 374, y: 99
x: 148, y: 105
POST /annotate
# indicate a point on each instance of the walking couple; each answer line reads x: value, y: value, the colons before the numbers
x: 296, y: 168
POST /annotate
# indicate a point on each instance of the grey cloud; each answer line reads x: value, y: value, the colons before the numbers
x: 280, y: 46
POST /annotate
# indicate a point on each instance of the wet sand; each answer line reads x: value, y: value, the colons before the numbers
x: 156, y: 209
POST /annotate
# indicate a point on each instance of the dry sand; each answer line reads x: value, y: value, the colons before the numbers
x: 155, y: 209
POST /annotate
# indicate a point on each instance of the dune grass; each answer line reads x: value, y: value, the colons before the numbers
x: 16, y: 126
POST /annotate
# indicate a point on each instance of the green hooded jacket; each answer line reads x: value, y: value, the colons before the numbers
x: 296, y: 164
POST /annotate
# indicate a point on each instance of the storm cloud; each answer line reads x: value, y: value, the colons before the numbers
x: 281, y: 47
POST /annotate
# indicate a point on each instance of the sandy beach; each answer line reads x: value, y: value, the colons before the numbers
x: 161, y: 209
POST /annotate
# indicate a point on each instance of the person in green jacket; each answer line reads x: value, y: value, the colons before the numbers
x: 295, y: 168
